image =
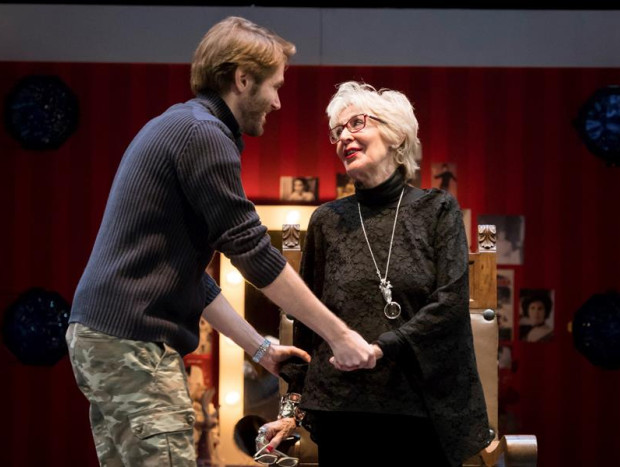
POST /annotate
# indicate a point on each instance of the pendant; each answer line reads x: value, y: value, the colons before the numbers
x: 391, y: 309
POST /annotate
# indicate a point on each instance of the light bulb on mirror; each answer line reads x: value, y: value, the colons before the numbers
x: 234, y: 277
x: 292, y: 217
x: 232, y: 397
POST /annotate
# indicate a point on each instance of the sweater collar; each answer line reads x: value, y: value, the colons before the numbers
x: 387, y: 192
x: 220, y: 109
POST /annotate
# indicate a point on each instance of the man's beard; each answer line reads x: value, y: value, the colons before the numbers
x: 252, y: 111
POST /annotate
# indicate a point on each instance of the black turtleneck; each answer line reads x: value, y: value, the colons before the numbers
x: 388, y: 192
x: 428, y: 349
x: 339, y: 268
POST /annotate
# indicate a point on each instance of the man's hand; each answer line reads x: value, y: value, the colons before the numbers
x: 353, y: 353
x: 378, y: 351
x: 278, y: 353
x: 293, y: 296
x: 273, y: 433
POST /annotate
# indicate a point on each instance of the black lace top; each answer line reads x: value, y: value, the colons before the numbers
x: 429, y: 366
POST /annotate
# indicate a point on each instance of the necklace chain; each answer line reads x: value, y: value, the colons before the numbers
x: 387, y: 266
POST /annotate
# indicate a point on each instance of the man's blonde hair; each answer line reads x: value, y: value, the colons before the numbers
x: 236, y: 42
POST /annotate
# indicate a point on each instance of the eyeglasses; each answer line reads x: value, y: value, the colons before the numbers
x: 356, y: 123
x: 264, y: 457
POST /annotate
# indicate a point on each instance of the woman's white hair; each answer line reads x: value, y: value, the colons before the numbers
x: 400, y: 130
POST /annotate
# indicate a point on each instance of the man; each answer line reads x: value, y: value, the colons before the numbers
x: 446, y: 176
x: 177, y: 197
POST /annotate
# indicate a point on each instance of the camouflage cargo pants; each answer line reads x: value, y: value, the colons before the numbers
x: 140, y: 410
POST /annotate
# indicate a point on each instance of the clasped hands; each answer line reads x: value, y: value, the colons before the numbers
x: 351, y: 353
x: 354, y: 353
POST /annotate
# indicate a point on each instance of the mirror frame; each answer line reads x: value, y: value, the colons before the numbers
x: 231, y: 356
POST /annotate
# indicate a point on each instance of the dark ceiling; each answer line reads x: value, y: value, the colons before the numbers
x: 503, y: 5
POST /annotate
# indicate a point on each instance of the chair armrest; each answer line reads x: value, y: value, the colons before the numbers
x: 521, y: 450
x: 508, y: 451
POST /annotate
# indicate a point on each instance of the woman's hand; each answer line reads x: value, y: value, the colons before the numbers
x: 273, y: 433
x: 276, y: 354
x: 378, y: 353
x: 352, y: 352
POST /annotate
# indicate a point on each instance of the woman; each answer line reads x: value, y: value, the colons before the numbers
x: 301, y: 191
x: 536, y: 309
x: 392, y: 262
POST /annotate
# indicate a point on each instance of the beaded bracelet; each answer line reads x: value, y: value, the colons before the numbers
x: 261, y: 351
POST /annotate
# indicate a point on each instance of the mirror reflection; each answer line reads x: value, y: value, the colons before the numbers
x: 261, y: 393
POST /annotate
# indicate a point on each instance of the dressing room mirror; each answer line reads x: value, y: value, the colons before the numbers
x: 245, y: 388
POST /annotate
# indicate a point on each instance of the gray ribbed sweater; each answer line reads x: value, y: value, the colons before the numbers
x: 177, y: 197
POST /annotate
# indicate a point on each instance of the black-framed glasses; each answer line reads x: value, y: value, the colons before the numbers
x: 276, y: 457
x: 354, y: 124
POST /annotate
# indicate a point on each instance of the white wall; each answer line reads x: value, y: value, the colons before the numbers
x: 334, y: 36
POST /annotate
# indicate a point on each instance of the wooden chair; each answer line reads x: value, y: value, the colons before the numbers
x: 505, y: 450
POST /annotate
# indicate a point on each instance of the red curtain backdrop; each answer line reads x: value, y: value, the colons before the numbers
x: 509, y: 132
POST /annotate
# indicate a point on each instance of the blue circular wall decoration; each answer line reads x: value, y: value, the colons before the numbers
x: 598, y: 124
x: 41, y: 112
x: 596, y: 330
x: 34, y: 327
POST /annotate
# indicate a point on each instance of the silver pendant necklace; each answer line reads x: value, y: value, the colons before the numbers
x: 391, y: 309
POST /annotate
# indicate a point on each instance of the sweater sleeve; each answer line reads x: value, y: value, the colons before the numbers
x: 210, y: 288
x: 209, y: 171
